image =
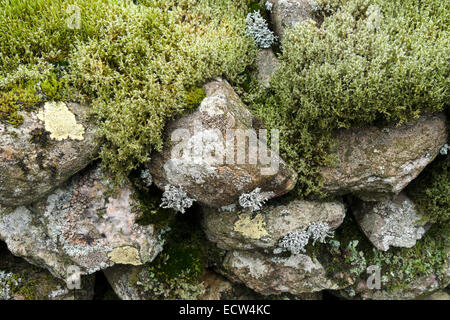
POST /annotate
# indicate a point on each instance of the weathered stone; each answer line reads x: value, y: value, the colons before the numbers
x: 377, y: 163
x: 398, y: 286
x: 439, y: 295
x: 137, y: 283
x: 84, y: 224
x: 396, y: 223
x: 50, y: 146
x: 245, y: 231
x: 286, y: 14
x: 419, y: 288
x: 21, y: 281
x: 266, y: 63
x: 208, y: 164
x: 269, y: 275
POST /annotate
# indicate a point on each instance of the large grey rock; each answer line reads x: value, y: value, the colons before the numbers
x: 84, y: 224
x: 270, y: 275
x: 247, y: 231
x: 50, y: 146
x: 286, y: 14
x: 266, y: 64
x: 21, y: 281
x: 390, y: 223
x: 377, y: 163
x: 213, y: 168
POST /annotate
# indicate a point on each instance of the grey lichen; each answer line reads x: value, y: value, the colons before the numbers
x: 7, y: 282
x: 319, y: 231
x: 146, y: 177
x: 258, y: 29
x: 444, y: 149
x: 295, y: 242
x: 254, y: 200
x: 176, y: 198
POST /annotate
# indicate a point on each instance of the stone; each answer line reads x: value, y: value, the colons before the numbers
x: 20, y: 280
x: 418, y: 289
x: 272, y: 275
x: 377, y: 163
x: 204, y: 160
x: 245, y: 231
x: 85, y: 224
x: 286, y: 14
x: 439, y: 295
x: 266, y: 64
x: 390, y: 223
x: 137, y: 283
x: 51, y: 145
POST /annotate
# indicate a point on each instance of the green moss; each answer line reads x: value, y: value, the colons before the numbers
x: 194, y: 97
x: 431, y: 191
x: 346, y: 73
x: 175, y: 272
x: 138, y: 63
x: 14, y: 100
x: 54, y: 88
x: 399, y: 266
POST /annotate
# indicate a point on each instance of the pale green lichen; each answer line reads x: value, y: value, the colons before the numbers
x: 125, y: 255
x: 60, y: 122
x: 251, y: 228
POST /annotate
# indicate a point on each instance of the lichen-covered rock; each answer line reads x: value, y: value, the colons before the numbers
x: 246, y: 231
x: 286, y: 14
x: 439, y: 295
x: 419, y: 288
x: 139, y: 283
x: 85, y: 224
x: 208, y: 163
x: 21, y: 281
x: 266, y: 64
x: 271, y: 275
x: 396, y: 223
x: 51, y: 145
x: 377, y: 163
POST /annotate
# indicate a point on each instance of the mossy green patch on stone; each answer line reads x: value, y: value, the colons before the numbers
x: 431, y: 191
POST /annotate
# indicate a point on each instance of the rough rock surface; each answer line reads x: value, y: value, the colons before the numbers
x: 396, y: 223
x: 21, y: 281
x: 269, y: 275
x: 241, y: 230
x: 419, y: 288
x: 83, y: 224
x: 128, y: 282
x: 266, y: 63
x: 377, y: 163
x: 50, y: 146
x: 286, y: 14
x: 439, y: 295
x: 211, y: 166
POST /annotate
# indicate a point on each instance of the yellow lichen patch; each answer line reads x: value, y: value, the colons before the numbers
x: 125, y: 255
x: 60, y: 122
x: 251, y: 228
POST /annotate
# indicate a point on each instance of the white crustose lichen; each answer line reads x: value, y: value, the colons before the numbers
x: 176, y: 198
